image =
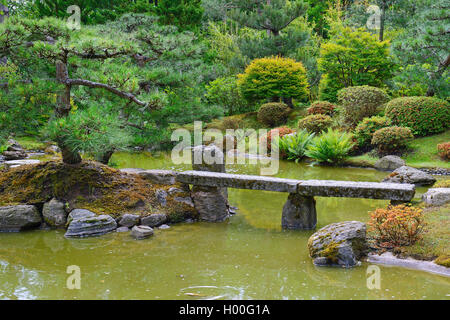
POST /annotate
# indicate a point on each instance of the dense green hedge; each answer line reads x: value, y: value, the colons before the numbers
x: 424, y: 115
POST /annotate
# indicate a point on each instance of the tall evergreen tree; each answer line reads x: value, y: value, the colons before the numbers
x: 273, y: 19
x: 424, y: 45
x: 269, y: 15
x: 185, y: 14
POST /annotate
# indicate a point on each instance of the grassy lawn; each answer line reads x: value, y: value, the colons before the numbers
x: 423, y: 153
x: 436, y: 240
x: 30, y: 143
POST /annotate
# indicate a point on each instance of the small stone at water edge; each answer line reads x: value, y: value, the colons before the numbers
x: 141, y: 232
x: 164, y: 226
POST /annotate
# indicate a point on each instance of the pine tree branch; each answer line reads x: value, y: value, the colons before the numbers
x: 117, y: 92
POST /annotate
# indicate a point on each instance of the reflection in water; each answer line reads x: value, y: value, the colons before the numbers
x: 247, y: 257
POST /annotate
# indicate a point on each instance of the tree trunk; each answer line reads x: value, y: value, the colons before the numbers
x: 63, y: 110
x: 68, y: 155
x: 105, y: 157
x: 289, y: 102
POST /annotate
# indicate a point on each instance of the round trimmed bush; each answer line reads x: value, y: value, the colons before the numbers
x: 366, y: 128
x: 274, y: 77
x: 315, y: 123
x: 273, y: 114
x: 322, y: 107
x: 444, y: 150
x: 392, y: 139
x: 361, y: 102
x: 424, y: 115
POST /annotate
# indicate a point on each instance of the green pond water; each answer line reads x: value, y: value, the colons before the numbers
x: 247, y: 257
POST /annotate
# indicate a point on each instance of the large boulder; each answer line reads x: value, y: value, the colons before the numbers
x: 389, y: 163
x: 129, y: 220
x: 84, y: 223
x: 436, y: 196
x: 14, y: 151
x: 410, y: 175
x: 154, y: 220
x: 54, y: 214
x: 208, y: 158
x: 339, y: 244
x: 141, y: 232
x: 14, y: 155
x: 18, y: 218
x: 13, y: 145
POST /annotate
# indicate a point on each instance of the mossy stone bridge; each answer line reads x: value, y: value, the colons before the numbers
x: 210, y: 197
x: 210, y: 182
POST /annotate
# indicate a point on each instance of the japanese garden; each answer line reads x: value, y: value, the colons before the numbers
x: 224, y: 149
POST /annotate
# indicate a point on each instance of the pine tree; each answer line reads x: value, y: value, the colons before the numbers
x: 269, y: 15
x: 272, y: 19
x: 425, y: 43
x: 185, y: 14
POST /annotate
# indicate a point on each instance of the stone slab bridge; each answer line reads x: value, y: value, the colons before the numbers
x: 210, y: 182
x: 299, y: 212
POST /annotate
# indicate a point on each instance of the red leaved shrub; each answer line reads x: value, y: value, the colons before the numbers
x: 282, y: 131
x: 444, y: 150
x: 397, y: 225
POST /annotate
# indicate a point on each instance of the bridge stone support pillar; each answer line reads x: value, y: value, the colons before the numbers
x: 210, y: 202
x: 299, y: 213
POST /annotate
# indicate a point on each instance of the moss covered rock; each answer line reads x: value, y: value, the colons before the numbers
x: 339, y: 244
x: 92, y: 186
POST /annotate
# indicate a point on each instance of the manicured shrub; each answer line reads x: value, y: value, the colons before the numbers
x: 315, y: 123
x: 322, y: 107
x: 444, y: 150
x: 273, y: 114
x: 231, y: 123
x: 366, y: 128
x: 424, y: 115
x: 294, y: 146
x: 331, y: 147
x: 274, y: 78
x: 282, y: 131
x: 397, y: 225
x: 361, y: 102
x: 392, y: 139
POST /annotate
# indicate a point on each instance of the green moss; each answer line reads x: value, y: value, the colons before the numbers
x: 30, y: 143
x: 331, y: 252
x: 89, y: 185
x: 443, y: 260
